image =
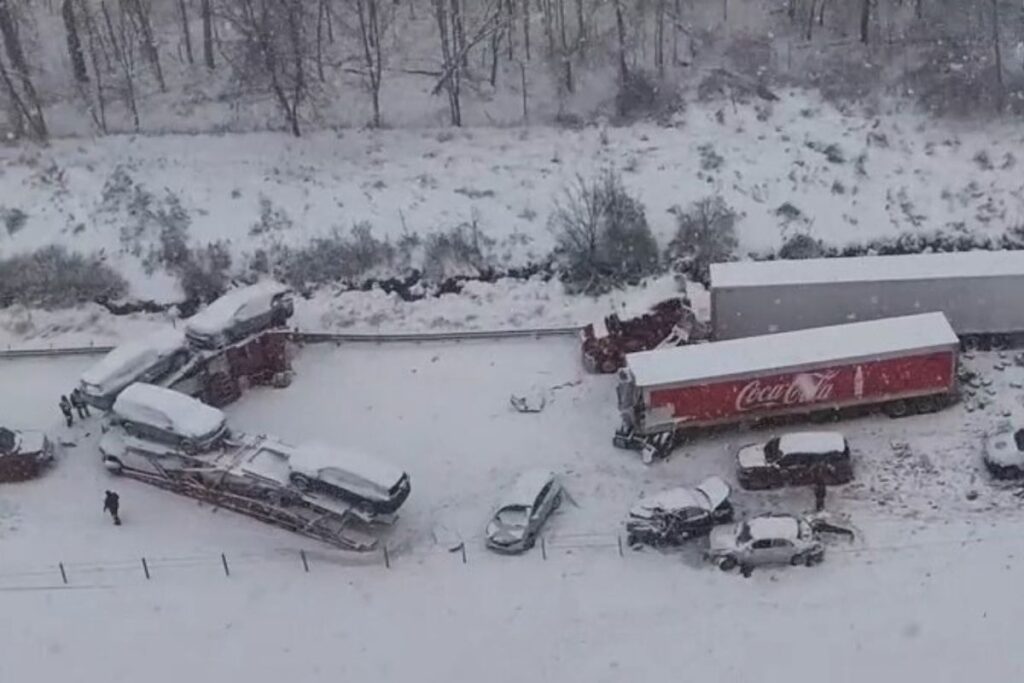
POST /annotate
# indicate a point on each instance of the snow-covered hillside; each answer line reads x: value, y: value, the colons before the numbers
x: 798, y: 166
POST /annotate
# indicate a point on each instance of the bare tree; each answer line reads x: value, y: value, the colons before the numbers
x: 865, y: 20
x: 26, y: 102
x: 453, y: 58
x: 565, y: 54
x: 67, y: 11
x: 370, y: 36
x: 139, y: 14
x: 272, y: 51
x: 620, y: 27
x: 185, y: 32
x: 127, y: 62
x: 1000, y: 86
x: 95, y: 44
x: 206, y: 11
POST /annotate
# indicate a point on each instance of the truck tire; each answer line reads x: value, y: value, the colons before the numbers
x: 727, y: 563
x: 896, y: 409
x: 926, y: 404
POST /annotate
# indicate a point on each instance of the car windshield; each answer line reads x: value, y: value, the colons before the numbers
x: 516, y: 516
x: 771, y: 449
x: 7, y: 440
x: 1018, y: 438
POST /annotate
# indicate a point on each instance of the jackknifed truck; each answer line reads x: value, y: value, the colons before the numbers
x: 901, y: 366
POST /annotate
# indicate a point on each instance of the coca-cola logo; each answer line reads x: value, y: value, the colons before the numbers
x: 808, y: 387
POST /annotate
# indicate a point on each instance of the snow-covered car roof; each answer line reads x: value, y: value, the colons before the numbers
x: 773, y: 526
x: 707, y: 495
x: 526, y: 486
x: 1003, y: 448
x: 169, y: 410
x: 128, y: 359
x: 848, y: 343
x: 313, y: 457
x: 241, y: 303
x: 812, y: 442
x: 268, y: 464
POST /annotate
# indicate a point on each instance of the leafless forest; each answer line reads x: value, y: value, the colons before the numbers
x: 112, y: 65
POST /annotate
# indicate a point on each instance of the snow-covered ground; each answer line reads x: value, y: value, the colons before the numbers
x: 930, y: 578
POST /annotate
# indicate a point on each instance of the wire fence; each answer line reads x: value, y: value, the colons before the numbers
x: 471, y: 552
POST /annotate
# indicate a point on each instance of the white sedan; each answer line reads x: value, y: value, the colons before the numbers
x: 764, y: 540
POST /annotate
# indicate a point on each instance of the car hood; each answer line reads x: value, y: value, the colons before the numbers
x: 503, y: 534
x: 722, y: 538
x: 30, y: 442
x: 707, y: 495
x: 1001, y: 449
x: 751, y: 455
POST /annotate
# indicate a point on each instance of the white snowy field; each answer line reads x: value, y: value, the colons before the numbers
x: 929, y: 585
x: 846, y: 176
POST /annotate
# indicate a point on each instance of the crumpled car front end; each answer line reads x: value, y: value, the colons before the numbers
x: 507, y: 531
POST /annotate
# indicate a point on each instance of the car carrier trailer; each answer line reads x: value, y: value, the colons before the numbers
x: 901, y: 365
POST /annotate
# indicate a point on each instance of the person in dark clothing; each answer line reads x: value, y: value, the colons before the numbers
x: 65, y: 407
x: 79, y: 404
x: 820, y: 490
x: 112, y: 504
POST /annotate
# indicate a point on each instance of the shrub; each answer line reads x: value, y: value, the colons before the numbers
x: 334, y: 258
x: 272, y: 219
x: 603, y: 239
x: 705, y: 234
x: 640, y: 95
x: 463, y: 250
x: 52, y: 277
x: 204, y: 273
x: 801, y: 246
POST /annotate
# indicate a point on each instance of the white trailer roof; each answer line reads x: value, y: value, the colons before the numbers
x: 820, y: 345
x: 866, y: 268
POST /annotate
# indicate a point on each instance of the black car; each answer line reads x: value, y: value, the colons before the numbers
x: 675, y: 515
x: 795, y: 460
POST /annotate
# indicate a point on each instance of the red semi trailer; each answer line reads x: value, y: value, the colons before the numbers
x: 902, y: 365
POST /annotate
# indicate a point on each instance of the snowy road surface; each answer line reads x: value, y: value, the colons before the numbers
x: 930, y: 583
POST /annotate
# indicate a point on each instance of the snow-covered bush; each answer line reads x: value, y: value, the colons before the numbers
x: 462, y: 250
x: 641, y: 95
x: 205, y: 273
x: 603, y: 240
x: 801, y: 246
x: 705, y: 234
x: 338, y: 257
x: 53, y: 277
x: 272, y: 219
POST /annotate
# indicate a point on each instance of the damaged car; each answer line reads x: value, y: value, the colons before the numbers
x: 673, y: 516
x: 148, y: 359
x: 23, y: 454
x: 526, y: 506
x: 1003, y: 454
x: 765, y: 540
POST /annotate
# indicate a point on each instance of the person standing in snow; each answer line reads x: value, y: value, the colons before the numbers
x: 820, y: 489
x: 111, y: 504
x: 79, y: 404
x: 65, y: 407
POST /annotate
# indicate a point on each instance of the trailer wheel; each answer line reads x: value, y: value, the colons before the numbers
x: 896, y: 409
x: 926, y: 404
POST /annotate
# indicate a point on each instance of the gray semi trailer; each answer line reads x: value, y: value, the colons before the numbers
x: 981, y: 293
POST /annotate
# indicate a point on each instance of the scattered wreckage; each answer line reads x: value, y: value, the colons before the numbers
x: 669, y: 323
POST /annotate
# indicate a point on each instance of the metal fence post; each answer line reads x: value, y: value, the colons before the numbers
x: 463, y: 553
x: 224, y: 561
x: 63, y: 573
x: 387, y: 558
x: 305, y: 562
x: 543, y: 548
x: 145, y: 568
x: 618, y: 538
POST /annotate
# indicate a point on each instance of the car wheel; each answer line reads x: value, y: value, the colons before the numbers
x: 557, y: 503
x: 727, y: 563
x: 301, y: 482
x: 113, y: 465
x: 799, y: 559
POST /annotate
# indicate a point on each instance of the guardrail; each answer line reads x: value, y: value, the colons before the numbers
x: 331, y: 337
